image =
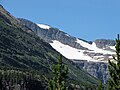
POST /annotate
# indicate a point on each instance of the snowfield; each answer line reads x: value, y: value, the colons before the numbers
x: 69, y: 52
x: 78, y: 54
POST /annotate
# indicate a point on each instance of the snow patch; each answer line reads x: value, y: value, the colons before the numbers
x: 69, y: 52
x: 78, y: 54
x: 43, y: 26
x: 93, y: 47
x: 67, y: 35
x: 112, y: 47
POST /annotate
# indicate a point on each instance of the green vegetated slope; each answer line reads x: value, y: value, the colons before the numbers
x: 21, y: 49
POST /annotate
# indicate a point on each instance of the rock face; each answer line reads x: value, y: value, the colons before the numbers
x: 104, y: 44
x: 97, y: 69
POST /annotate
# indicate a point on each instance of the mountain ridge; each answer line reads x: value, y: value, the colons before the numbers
x: 51, y: 34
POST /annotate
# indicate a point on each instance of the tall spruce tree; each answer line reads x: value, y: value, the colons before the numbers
x: 114, y: 69
x: 60, y: 71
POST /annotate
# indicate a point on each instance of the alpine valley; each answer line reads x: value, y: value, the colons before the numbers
x: 32, y: 48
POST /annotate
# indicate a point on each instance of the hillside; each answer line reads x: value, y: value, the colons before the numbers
x: 22, y: 49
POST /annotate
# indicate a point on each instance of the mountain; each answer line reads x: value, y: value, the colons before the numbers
x: 97, y: 51
x: 88, y: 55
x: 22, y: 49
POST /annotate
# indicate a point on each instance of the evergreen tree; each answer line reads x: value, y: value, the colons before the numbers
x: 60, y: 72
x: 114, y: 69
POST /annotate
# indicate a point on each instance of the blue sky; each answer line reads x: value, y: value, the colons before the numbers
x: 86, y: 19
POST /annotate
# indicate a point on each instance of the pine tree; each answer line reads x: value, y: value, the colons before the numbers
x: 114, y: 69
x: 60, y: 72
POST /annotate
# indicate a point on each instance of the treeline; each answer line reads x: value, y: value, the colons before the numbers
x: 20, y: 80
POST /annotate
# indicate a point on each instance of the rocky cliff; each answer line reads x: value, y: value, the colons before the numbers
x: 96, y: 69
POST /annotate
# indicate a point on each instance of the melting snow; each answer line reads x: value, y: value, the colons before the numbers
x: 43, y: 26
x: 78, y: 54
x: 69, y: 52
